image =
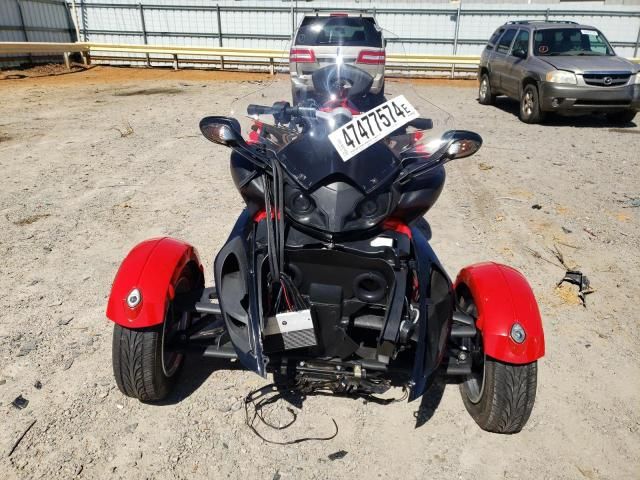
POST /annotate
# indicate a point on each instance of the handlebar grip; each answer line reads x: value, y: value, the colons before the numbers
x: 305, y: 112
x: 280, y: 108
x: 422, y: 123
x: 259, y: 110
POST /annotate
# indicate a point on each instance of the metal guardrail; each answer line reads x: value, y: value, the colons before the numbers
x: 238, y: 54
x: 42, y: 47
x: 274, y: 57
x: 189, y: 50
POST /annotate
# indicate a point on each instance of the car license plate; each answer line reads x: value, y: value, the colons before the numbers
x: 372, y: 126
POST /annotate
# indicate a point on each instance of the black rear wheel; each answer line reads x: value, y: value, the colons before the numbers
x: 378, y: 98
x: 297, y: 96
x: 499, y: 396
x: 144, y: 364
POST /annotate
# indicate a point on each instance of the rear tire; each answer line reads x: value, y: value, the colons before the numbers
x: 485, y: 93
x: 530, y: 105
x: 295, y: 97
x: 623, y: 117
x: 142, y: 367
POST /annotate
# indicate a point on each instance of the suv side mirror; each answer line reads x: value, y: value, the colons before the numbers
x: 222, y: 130
x: 520, y: 53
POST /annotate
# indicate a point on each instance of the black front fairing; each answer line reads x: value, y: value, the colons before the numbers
x: 311, y: 159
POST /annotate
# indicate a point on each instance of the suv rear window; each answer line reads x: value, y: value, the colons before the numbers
x: 570, y: 41
x: 347, y: 31
x: 495, y: 36
x: 505, y: 41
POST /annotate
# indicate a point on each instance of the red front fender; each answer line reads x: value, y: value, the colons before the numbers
x: 503, y: 297
x: 152, y: 267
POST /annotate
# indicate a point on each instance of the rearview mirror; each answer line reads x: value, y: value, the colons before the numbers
x: 222, y: 130
x: 461, y: 143
x: 451, y: 145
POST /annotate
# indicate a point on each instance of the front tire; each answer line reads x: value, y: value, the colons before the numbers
x: 503, y: 399
x: 143, y: 366
x: 137, y: 364
x: 530, y: 105
x: 485, y: 92
x: 623, y: 117
x: 499, y: 396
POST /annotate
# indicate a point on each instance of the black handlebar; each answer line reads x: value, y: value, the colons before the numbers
x: 259, y: 110
x: 282, y: 110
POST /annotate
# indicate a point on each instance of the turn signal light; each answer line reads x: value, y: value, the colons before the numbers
x: 371, y: 57
x: 302, y: 55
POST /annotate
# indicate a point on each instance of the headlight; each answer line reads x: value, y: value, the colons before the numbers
x: 636, y: 79
x: 300, y: 203
x: 368, y: 209
x: 560, y: 76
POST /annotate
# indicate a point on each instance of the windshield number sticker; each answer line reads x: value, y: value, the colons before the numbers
x: 372, y: 126
x: 588, y: 32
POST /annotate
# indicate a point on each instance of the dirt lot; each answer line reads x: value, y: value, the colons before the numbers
x: 79, y: 189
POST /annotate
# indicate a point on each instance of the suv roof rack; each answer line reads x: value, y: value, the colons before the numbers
x: 527, y: 22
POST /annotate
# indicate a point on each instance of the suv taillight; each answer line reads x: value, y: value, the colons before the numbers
x: 371, y: 57
x: 302, y: 55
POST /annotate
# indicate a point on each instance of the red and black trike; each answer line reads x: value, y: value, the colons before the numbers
x: 327, y: 279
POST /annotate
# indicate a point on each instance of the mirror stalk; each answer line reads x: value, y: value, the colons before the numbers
x: 226, y: 131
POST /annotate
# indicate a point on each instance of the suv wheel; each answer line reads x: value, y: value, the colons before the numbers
x: 295, y: 96
x: 378, y: 98
x: 623, y: 117
x: 485, y: 94
x: 530, y: 105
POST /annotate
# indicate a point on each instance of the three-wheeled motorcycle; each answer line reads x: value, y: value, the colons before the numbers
x: 327, y: 278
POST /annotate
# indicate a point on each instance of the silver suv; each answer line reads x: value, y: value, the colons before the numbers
x: 326, y: 40
x: 559, y: 67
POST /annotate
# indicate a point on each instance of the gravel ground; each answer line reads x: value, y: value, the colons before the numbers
x: 88, y: 172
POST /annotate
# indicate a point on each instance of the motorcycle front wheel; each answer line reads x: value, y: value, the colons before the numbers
x: 499, y: 396
x: 501, y: 399
x: 143, y: 365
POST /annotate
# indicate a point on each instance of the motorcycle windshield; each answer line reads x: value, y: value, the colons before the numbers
x: 359, y: 117
x: 311, y: 159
